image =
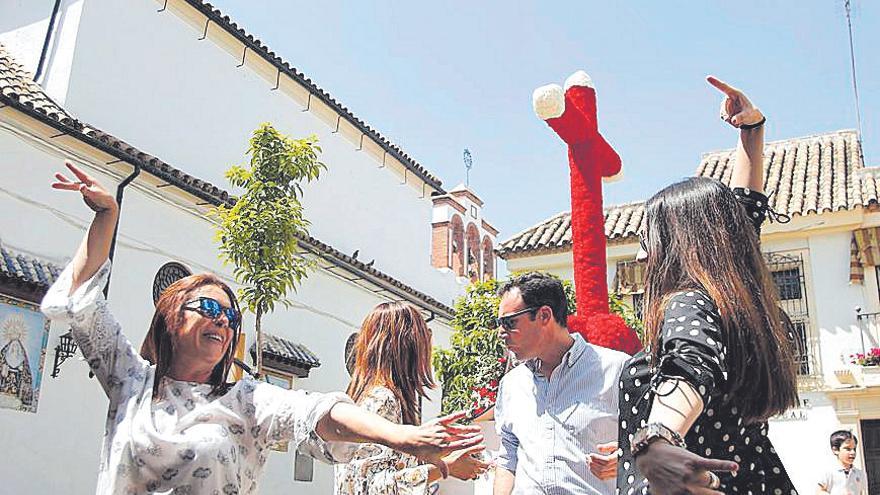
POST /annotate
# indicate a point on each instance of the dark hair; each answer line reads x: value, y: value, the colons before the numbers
x: 540, y: 289
x: 393, y: 349
x: 157, y: 347
x: 699, y: 237
x: 840, y: 436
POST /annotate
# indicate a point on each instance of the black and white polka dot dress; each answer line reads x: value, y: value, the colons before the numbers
x: 692, y: 350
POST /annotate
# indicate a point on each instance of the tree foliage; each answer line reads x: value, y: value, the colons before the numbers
x: 259, y: 233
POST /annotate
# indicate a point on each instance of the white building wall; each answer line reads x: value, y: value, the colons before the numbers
x: 57, y: 449
x: 834, y: 300
x: 143, y: 76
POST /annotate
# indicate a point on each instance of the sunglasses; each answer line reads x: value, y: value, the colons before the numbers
x: 211, y: 308
x: 508, y: 322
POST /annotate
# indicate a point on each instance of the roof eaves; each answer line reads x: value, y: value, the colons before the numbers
x: 215, y: 196
x: 269, y: 56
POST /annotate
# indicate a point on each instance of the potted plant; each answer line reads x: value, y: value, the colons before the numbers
x: 869, y: 366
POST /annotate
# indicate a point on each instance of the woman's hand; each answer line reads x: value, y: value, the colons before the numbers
x: 736, y: 109
x: 672, y: 470
x: 603, y: 464
x: 465, y: 464
x: 437, y: 439
x: 93, y: 193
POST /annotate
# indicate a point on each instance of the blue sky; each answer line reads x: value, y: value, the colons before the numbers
x: 443, y: 76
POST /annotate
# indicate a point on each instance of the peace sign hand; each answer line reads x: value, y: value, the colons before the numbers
x: 736, y: 109
x: 93, y: 193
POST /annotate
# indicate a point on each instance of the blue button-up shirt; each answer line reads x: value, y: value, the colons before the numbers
x: 548, y: 426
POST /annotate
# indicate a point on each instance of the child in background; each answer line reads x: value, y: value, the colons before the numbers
x: 844, y: 478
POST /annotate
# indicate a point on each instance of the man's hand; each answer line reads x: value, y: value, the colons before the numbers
x: 672, y: 470
x: 603, y: 464
x: 736, y: 109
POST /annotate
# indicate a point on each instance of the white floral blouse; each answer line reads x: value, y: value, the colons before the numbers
x: 189, y: 441
x: 379, y: 470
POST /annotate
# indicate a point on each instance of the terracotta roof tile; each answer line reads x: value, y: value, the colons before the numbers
x: 20, y: 268
x: 803, y: 176
x: 287, y: 352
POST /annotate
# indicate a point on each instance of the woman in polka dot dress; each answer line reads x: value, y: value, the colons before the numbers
x: 719, y: 360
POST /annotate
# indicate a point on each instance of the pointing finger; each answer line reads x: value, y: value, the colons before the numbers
x: 716, y: 464
x: 722, y: 86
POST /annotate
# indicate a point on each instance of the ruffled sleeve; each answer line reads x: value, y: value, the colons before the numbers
x: 280, y: 415
x: 95, y: 330
x: 692, y: 347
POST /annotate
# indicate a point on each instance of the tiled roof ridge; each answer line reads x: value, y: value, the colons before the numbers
x: 543, y: 222
x: 778, y: 142
x: 18, y: 91
x: 805, y: 175
x: 258, y: 47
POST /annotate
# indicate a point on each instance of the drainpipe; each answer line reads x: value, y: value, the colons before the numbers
x: 120, y: 189
x: 48, y: 40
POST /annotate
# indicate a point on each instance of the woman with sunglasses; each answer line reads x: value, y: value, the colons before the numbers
x: 174, y: 424
x: 392, y: 370
x: 719, y: 361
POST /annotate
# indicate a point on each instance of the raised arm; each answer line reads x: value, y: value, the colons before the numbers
x: 95, y: 247
x: 738, y: 111
x: 76, y: 298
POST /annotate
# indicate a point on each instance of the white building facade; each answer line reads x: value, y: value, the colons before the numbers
x: 181, y: 88
x: 824, y: 267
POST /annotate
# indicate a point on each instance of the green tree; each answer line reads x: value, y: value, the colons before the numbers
x: 472, y: 366
x: 259, y: 232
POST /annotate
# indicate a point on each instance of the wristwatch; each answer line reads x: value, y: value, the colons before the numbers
x: 655, y: 431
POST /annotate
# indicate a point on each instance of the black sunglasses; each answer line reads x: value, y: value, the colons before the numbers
x: 211, y: 308
x: 508, y: 322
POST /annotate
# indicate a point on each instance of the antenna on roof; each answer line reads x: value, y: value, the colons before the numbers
x: 468, y: 163
x: 852, y: 58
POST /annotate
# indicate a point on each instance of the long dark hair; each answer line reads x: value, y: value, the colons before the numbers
x: 699, y: 237
x: 393, y: 350
x: 157, y: 347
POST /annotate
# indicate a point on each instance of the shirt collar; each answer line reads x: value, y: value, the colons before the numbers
x: 569, y: 359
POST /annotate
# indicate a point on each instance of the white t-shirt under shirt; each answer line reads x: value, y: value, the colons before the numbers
x: 836, y: 481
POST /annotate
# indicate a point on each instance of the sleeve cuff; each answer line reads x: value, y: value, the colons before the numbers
x: 60, y: 305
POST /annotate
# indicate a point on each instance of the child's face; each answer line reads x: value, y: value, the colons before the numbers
x: 846, y: 454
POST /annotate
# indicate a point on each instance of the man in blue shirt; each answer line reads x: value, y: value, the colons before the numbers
x: 556, y: 412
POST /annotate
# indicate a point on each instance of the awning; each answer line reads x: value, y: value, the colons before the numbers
x: 287, y: 356
x: 629, y: 277
x: 864, y: 251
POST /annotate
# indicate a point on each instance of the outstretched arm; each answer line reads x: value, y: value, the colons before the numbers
x: 429, y: 442
x: 95, y: 247
x: 738, y: 111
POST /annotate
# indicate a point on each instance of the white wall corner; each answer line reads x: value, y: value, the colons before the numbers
x: 59, y: 57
